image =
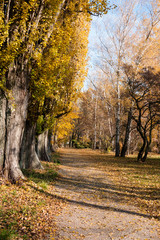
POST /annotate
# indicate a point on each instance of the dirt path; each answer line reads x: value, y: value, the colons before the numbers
x: 94, y: 210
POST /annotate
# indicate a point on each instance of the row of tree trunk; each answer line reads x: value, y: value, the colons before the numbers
x: 20, y: 147
x: 17, y: 133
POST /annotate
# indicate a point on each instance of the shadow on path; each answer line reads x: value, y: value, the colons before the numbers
x: 94, y: 205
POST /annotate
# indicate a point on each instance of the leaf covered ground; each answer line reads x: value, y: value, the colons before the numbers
x: 25, y: 211
x: 139, y: 182
x: 93, y: 196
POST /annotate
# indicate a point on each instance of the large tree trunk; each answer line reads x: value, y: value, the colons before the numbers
x: 51, y: 142
x: 49, y: 145
x: 29, y: 157
x: 126, y: 140
x: 16, y: 111
x: 2, y: 128
x: 42, y: 147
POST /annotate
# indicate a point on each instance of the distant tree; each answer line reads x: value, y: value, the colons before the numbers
x: 146, y: 104
x: 113, y: 53
x: 132, y: 40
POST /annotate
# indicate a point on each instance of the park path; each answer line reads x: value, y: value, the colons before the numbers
x: 94, y: 210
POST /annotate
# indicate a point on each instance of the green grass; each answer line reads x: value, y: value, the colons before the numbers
x: 43, y: 185
x: 42, y: 177
x: 48, y: 175
x: 55, y: 158
x: 6, y: 234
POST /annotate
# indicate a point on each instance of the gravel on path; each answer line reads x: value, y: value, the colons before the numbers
x: 93, y: 209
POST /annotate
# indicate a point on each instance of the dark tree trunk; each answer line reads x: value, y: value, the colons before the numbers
x: 147, y: 139
x: 29, y: 157
x: 142, y: 150
x: 148, y: 143
x: 140, y: 154
x: 158, y: 140
x: 126, y: 140
x: 145, y: 153
x: 42, y: 147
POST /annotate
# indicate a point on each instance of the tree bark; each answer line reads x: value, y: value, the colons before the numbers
x: 158, y: 140
x: 126, y: 140
x: 42, y: 147
x: 117, y: 150
x: 2, y: 128
x: 51, y: 146
x: 143, y: 159
x: 117, y: 146
x: 142, y: 150
x: 139, y: 158
x: 16, y: 111
x: 29, y: 157
x: 95, y: 125
x: 148, y: 143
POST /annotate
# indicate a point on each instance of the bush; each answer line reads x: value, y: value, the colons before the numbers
x: 80, y: 145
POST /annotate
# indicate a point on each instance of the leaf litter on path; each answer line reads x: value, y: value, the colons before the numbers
x: 96, y: 208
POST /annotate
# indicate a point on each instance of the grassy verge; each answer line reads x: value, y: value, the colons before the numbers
x: 26, y: 211
x: 137, y: 183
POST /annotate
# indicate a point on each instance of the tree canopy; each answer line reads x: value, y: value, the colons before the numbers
x: 43, y: 53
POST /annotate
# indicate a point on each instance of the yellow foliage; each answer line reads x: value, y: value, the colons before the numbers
x: 51, y: 39
x: 60, y: 71
x: 65, y: 125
